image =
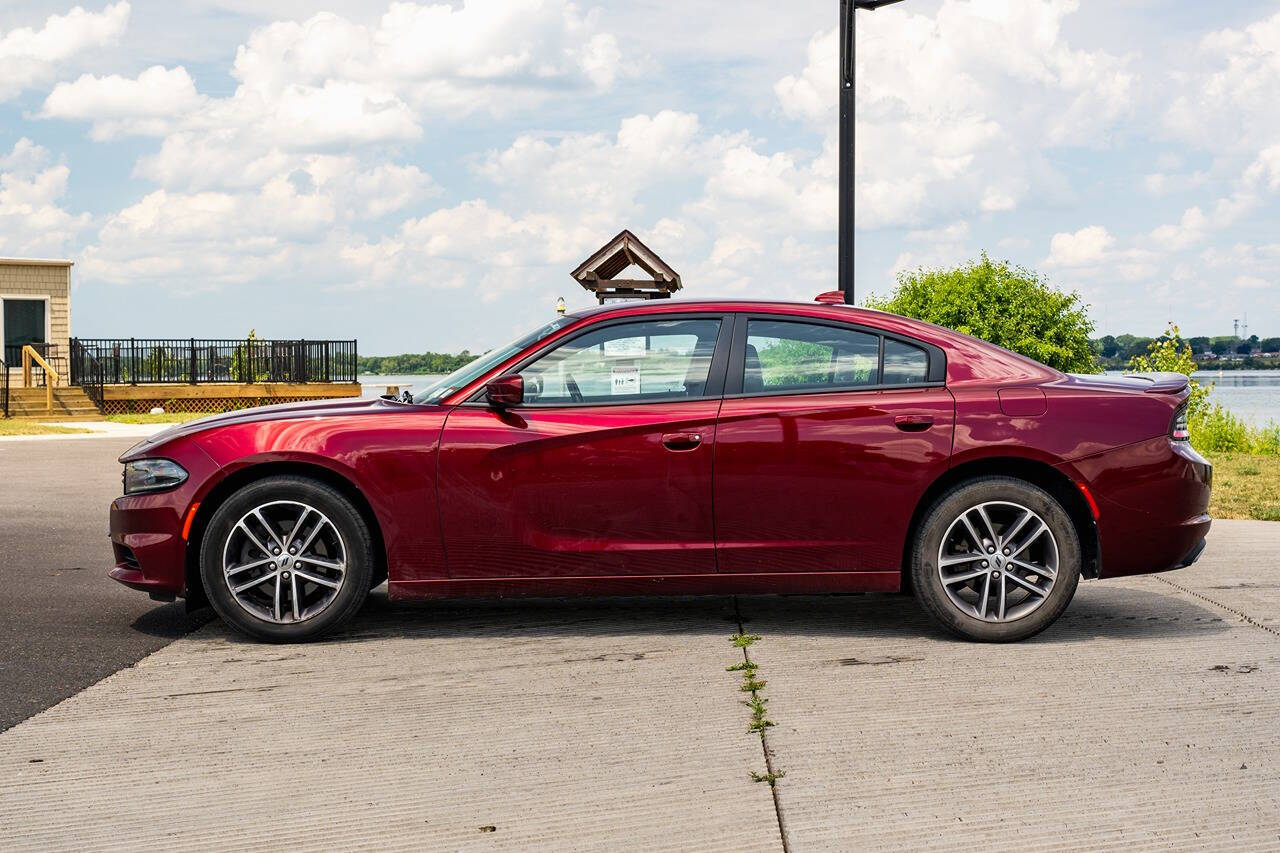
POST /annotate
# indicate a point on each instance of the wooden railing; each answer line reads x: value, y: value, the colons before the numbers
x: 29, y: 355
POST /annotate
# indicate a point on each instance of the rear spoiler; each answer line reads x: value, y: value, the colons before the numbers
x: 1161, y: 383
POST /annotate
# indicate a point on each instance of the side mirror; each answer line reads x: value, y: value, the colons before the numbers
x: 505, y: 390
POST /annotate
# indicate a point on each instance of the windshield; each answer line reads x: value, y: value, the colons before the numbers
x: 473, y: 370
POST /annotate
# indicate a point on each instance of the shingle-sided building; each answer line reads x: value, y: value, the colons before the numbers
x: 35, y: 308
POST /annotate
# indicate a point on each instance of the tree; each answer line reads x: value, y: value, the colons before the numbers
x: 1008, y: 305
x: 1269, y: 345
x: 1245, y: 348
x: 1199, y: 346
x: 1136, y: 347
x: 1110, y: 348
x: 1220, y: 347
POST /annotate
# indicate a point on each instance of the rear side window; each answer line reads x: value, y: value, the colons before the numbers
x: 788, y: 356
x: 904, y: 364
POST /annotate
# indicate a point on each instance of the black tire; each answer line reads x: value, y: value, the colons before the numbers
x: 346, y: 521
x: 927, y: 582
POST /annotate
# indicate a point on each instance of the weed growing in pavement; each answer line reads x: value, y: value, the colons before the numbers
x: 759, y: 713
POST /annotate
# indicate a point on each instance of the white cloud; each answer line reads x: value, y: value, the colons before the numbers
x: 603, y: 172
x: 1251, y: 282
x: 812, y: 95
x: 292, y: 225
x: 32, y: 222
x: 1190, y: 229
x: 939, y: 134
x: 30, y: 57
x: 147, y: 104
x: 1085, y: 247
x: 1226, y: 94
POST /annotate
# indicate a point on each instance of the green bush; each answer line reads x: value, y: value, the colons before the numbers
x: 1171, y: 354
x: 1009, y: 306
x: 1213, y: 428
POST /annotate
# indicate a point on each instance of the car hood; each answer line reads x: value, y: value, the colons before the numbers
x: 344, y: 407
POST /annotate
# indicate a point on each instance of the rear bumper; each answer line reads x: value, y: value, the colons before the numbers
x: 1192, y: 555
x: 1153, y: 502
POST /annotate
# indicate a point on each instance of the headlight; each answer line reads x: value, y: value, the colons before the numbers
x: 152, y: 475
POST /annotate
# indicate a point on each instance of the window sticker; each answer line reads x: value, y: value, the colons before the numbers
x: 624, y: 347
x: 626, y: 380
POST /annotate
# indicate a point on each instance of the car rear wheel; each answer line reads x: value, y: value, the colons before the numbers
x: 287, y: 559
x: 996, y: 559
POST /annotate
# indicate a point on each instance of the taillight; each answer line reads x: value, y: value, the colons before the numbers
x: 1179, y: 430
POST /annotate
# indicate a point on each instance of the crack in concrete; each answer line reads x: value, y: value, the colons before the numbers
x: 1245, y: 616
x: 764, y: 747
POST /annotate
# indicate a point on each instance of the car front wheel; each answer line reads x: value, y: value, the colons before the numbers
x: 287, y: 559
x: 996, y: 559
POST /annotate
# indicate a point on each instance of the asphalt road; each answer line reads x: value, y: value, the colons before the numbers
x: 63, y: 623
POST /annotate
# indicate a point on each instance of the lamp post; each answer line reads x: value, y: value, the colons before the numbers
x: 847, y: 8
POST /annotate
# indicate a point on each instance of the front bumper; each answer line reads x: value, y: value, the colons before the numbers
x: 146, y: 531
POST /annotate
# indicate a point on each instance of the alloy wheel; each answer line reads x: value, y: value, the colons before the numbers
x: 284, y: 562
x: 998, y: 561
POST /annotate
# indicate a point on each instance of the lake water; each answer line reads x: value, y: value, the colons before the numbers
x: 376, y: 386
x: 1250, y: 394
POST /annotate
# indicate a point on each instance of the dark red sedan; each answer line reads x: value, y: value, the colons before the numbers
x: 678, y: 448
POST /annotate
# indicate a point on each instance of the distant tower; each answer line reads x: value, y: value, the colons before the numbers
x: 1235, y: 328
x: 1244, y: 327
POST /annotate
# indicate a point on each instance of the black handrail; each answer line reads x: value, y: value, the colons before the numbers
x: 143, y: 361
x: 4, y: 371
x: 87, y: 372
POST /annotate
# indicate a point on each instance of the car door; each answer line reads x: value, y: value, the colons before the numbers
x: 828, y: 436
x: 604, y: 469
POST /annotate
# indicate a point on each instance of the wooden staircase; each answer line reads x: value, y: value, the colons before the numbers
x: 69, y: 404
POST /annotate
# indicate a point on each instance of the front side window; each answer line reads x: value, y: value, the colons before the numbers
x: 629, y: 362
x: 784, y: 356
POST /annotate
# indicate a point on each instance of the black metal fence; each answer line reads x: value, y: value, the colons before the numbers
x: 4, y: 387
x: 87, y: 372
x: 145, y: 361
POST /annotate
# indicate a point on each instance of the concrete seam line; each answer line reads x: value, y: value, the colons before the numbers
x: 742, y: 640
x: 1245, y: 616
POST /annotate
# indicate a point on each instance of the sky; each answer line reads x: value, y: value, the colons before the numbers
x: 424, y: 176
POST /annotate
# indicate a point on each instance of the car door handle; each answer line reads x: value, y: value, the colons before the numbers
x: 913, y: 423
x: 681, y: 440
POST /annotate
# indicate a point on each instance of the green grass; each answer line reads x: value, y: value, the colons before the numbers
x: 166, y: 418
x: 1245, y: 485
x: 14, y: 427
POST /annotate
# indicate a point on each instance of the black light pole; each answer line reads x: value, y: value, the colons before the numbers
x: 847, y: 8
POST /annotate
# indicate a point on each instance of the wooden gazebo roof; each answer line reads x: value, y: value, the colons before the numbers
x: 597, y: 273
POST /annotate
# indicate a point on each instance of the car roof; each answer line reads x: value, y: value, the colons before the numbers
x: 817, y: 309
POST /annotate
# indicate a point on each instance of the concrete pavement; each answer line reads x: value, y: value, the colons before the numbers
x: 90, y: 429
x: 1149, y: 718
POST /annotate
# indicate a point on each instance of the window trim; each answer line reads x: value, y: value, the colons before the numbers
x: 713, y: 390
x: 935, y: 376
